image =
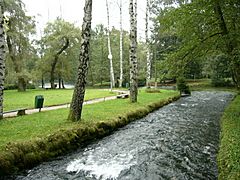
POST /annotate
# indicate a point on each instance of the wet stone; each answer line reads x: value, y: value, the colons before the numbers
x: 177, y: 142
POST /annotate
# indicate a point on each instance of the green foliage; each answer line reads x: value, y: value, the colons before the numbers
x: 99, y: 63
x: 182, y: 86
x: 220, y: 82
x: 10, y: 86
x: 20, y: 49
x: 197, y: 37
x: 152, y: 90
x: 229, y: 152
x: 52, y: 41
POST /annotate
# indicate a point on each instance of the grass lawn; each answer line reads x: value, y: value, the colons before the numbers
x: 229, y: 152
x: 29, y: 127
x: 14, y: 100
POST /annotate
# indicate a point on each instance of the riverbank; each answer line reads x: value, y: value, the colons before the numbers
x: 28, y: 140
x: 229, y: 152
x: 229, y: 149
x: 178, y: 141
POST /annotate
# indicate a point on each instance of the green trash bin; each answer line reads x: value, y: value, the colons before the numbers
x: 39, y: 101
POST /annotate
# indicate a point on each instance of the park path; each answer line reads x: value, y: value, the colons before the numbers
x: 55, y: 107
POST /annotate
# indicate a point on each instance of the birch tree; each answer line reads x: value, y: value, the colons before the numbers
x: 110, y: 50
x: 79, y: 91
x: 133, y: 51
x: 121, y: 46
x: 148, y: 48
x: 2, y: 58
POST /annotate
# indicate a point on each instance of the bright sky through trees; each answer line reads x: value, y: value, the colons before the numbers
x: 72, y: 10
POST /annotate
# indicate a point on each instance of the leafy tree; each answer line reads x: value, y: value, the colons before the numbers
x: 60, y: 38
x: 203, y: 28
x: 19, y: 29
x: 99, y: 65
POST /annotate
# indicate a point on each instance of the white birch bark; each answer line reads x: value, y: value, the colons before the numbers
x: 110, y: 50
x: 2, y: 58
x: 121, y: 46
x: 148, y: 48
x: 79, y: 91
x: 133, y: 51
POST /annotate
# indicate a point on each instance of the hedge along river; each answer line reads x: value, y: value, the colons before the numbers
x: 178, y: 141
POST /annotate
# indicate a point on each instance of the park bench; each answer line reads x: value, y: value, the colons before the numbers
x: 122, y: 96
x: 20, y: 112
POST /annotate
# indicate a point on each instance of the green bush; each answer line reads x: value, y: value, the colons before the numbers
x: 10, y: 86
x: 182, y: 86
x: 31, y: 86
x: 220, y: 82
x: 152, y: 90
x: 104, y: 84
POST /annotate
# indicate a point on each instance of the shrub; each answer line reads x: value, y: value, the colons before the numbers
x: 31, y: 86
x: 182, y: 86
x: 10, y: 86
x: 220, y: 82
x: 152, y: 90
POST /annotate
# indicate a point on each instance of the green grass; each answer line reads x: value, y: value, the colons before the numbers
x: 14, y: 100
x: 30, y: 127
x: 229, y: 152
x: 205, y: 85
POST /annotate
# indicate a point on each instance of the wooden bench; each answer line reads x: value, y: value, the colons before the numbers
x: 20, y: 112
x: 122, y: 96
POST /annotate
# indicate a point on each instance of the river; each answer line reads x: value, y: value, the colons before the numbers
x: 177, y: 142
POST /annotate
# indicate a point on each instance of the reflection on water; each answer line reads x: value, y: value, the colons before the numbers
x: 179, y: 141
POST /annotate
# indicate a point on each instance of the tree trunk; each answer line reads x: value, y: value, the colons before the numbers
x: 22, y: 85
x: 148, y: 48
x: 133, y: 52
x: 42, y: 82
x: 2, y: 59
x: 55, y: 61
x: 63, y: 84
x: 110, y: 51
x: 102, y: 62
x: 229, y: 42
x: 121, y: 47
x: 59, y: 82
x: 155, y: 60
x: 79, y: 91
x: 17, y: 66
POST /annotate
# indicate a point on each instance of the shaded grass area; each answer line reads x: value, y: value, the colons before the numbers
x: 205, y: 85
x: 15, y: 100
x: 229, y: 152
x: 28, y: 140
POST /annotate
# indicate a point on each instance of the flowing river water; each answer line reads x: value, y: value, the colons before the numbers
x: 178, y: 141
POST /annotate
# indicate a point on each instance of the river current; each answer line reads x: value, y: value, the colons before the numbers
x: 177, y: 142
